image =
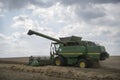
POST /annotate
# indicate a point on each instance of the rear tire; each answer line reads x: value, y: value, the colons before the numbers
x: 82, y: 63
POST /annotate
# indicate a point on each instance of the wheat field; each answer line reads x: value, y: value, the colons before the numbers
x: 16, y: 69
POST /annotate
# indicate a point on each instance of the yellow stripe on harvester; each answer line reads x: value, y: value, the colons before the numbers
x: 93, y: 53
x: 72, y: 53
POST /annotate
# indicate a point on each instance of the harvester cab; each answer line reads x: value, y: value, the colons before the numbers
x: 74, y: 51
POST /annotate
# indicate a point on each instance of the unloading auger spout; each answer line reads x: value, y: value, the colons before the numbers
x: 31, y: 32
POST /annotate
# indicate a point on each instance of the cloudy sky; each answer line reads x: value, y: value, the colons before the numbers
x: 94, y: 20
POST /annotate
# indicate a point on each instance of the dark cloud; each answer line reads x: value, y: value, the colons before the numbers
x: 106, y: 22
x: 86, y: 10
x: 88, y: 13
x: 41, y: 3
x: 105, y: 1
x: 83, y: 2
x: 18, y: 4
x: 14, y: 4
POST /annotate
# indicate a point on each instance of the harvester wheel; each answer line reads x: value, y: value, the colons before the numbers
x: 58, y: 61
x: 82, y: 63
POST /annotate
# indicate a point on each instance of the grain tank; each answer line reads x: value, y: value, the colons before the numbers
x: 74, y: 51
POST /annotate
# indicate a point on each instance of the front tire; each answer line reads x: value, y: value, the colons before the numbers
x: 58, y: 61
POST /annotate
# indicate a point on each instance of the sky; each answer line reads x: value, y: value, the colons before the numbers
x: 93, y: 20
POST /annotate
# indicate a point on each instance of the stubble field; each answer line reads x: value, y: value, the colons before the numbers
x: 15, y: 69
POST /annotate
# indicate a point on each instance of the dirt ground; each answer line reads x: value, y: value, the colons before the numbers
x: 15, y: 69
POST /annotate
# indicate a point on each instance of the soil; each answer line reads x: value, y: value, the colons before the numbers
x: 16, y: 69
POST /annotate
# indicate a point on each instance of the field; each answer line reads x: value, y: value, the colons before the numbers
x: 16, y: 69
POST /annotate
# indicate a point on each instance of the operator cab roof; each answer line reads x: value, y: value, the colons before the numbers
x: 71, y: 39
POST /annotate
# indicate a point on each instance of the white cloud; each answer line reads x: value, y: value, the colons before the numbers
x: 23, y: 21
x: 20, y: 44
x: 56, y: 13
x: 96, y: 21
x: 88, y: 29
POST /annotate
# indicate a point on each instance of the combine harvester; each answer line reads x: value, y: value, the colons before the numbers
x: 70, y: 51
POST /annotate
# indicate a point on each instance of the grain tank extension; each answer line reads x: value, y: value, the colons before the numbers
x: 73, y: 51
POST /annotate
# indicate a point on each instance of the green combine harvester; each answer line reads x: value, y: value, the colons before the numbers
x: 70, y: 51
